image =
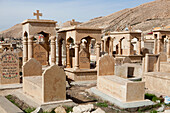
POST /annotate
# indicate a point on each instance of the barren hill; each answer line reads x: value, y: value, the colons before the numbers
x: 143, y: 17
x: 15, y: 31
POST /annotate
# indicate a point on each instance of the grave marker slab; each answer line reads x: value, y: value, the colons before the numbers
x: 84, y: 60
x: 41, y: 54
x: 9, y: 68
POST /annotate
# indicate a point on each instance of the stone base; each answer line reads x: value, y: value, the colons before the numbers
x: 158, y: 82
x: 10, y: 86
x: 120, y: 104
x: 81, y: 74
x: 133, y: 58
x: 33, y: 102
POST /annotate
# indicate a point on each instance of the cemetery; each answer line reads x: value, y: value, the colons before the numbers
x: 80, y: 69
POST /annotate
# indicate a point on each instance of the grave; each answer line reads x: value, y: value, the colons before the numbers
x: 9, y: 68
x: 119, y: 91
x: 41, y: 54
x: 129, y: 70
x: 157, y: 81
x: 84, y: 59
x: 49, y: 86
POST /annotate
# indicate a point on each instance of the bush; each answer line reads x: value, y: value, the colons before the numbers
x: 102, y: 104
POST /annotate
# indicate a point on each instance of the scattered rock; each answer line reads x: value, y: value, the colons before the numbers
x: 60, y: 109
x: 98, y: 110
x: 38, y: 110
x: 167, y: 111
x: 83, y: 108
x: 160, y: 109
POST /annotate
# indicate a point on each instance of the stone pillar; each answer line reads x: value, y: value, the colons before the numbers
x: 168, y: 48
x: 53, y: 50
x: 59, y: 53
x: 139, y: 47
x: 155, y: 46
x: 129, y: 45
x: 97, y: 51
x: 158, y: 64
x: 76, y: 56
x: 119, y: 48
x: 102, y: 46
x: 25, y: 50
x: 111, y: 47
x: 30, y: 47
x: 159, y: 46
x: 146, y: 63
x: 105, y: 48
x: 68, y: 56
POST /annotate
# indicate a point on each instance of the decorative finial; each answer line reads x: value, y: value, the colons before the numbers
x: 37, y: 14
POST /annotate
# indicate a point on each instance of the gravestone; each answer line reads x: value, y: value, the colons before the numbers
x: 9, y: 68
x: 106, y: 66
x: 84, y: 60
x: 54, y: 84
x: 41, y: 54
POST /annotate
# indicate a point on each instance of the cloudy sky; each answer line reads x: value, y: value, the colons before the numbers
x: 16, y: 11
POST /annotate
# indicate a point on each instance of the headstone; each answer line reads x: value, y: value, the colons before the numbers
x: 9, y: 68
x: 54, y: 84
x: 106, y: 66
x: 41, y: 54
x: 32, y: 68
x: 84, y: 60
x: 163, y: 57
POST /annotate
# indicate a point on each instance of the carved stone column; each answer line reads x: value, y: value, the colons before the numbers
x: 119, y: 47
x: 53, y: 50
x: 105, y: 48
x: 111, y: 47
x: 25, y: 50
x: 97, y: 51
x: 159, y: 46
x: 168, y: 47
x: 30, y: 47
x: 68, y: 56
x: 59, y: 53
x: 155, y: 46
x: 139, y: 47
x: 102, y: 46
x: 76, y: 56
x: 129, y: 47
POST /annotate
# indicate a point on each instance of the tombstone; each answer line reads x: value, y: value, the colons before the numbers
x: 106, y: 66
x: 48, y: 86
x: 9, y: 68
x: 163, y: 57
x: 32, y: 68
x: 54, y: 84
x: 84, y: 60
x: 41, y: 54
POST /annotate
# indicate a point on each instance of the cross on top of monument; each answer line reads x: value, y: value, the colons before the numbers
x: 37, y: 14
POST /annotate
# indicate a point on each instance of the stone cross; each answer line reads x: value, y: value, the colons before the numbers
x: 37, y: 14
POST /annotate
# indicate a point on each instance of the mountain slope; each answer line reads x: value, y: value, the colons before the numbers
x: 142, y: 17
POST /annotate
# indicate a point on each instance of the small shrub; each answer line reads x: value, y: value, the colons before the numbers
x: 102, y: 104
x: 69, y: 109
x: 153, y: 111
x: 29, y: 110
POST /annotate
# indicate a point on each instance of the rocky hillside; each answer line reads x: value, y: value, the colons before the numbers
x: 143, y: 17
x: 15, y: 31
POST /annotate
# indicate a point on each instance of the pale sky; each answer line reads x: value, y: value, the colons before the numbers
x: 16, y: 11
